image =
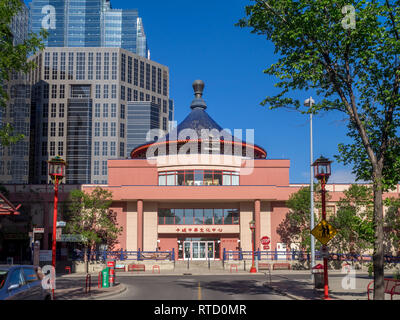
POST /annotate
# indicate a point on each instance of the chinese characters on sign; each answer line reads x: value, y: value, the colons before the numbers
x: 201, y: 230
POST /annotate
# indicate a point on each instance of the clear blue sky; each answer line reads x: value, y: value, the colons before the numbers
x: 198, y: 40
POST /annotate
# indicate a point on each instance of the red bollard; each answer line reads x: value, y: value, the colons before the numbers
x: 100, y: 280
x: 88, y: 280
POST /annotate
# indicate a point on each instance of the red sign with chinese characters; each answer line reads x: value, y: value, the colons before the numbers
x: 199, y: 230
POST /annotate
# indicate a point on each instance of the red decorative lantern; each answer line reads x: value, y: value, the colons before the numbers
x: 322, y: 168
x: 57, y: 168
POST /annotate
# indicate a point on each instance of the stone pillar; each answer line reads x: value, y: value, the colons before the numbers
x: 257, y: 209
x: 140, y: 224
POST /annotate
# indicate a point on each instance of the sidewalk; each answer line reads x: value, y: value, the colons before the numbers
x: 298, y: 285
x: 72, y: 287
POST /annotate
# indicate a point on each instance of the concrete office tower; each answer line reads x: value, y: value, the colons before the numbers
x: 88, y: 23
x: 14, y: 160
x: 79, y: 107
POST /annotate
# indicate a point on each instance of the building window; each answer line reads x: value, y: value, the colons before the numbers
x: 135, y: 95
x: 62, y: 91
x: 44, y: 168
x: 104, y: 168
x: 153, y: 78
x: 46, y: 65
x: 97, y: 129
x: 129, y: 98
x: 53, y: 129
x: 96, y: 170
x: 96, y: 148
x: 159, y: 80
x: 122, y: 149
x: 97, y: 110
x: 147, y: 97
x: 135, y: 72
x: 213, y: 216
x: 129, y: 69
x: 90, y: 66
x: 46, y: 91
x: 105, y: 110
x: 60, y: 148
x: 141, y: 96
x: 112, y: 149
x: 165, y: 83
x: 122, y: 111
x: 53, y: 110
x: 45, y: 129
x: 164, y: 123
x: 123, y: 66
x: 52, y: 148
x: 113, y: 91
x: 44, y: 148
x: 147, y: 76
x: 114, y: 66
x: 141, y: 74
x: 105, y: 92
x: 98, y: 66
x: 98, y: 91
x: 105, y: 129
x: 54, y: 91
x: 113, y: 110
x: 61, y: 129
x: 106, y: 65
x: 80, y: 66
x: 61, y: 110
x: 164, y: 106
x: 62, y: 67
x: 122, y: 130
x: 105, y: 148
x: 198, y: 178
x: 55, y: 65
x: 122, y: 92
x: 70, y: 66
x: 113, y: 129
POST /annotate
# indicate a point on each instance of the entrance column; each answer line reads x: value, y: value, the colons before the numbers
x: 257, y: 209
x: 140, y: 224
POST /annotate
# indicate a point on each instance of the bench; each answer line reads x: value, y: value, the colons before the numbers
x: 392, y: 287
x: 233, y: 266
x: 281, y: 266
x: 120, y: 267
x: 264, y: 266
x: 136, y: 267
x: 156, y: 266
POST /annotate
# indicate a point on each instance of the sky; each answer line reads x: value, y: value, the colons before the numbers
x: 198, y: 40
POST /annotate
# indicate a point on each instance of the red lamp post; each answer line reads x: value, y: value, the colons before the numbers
x: 57, y: 173
x: 322, y: 171
x: 252, y: 228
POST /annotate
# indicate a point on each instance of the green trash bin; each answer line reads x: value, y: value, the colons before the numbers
x: 105, y: 278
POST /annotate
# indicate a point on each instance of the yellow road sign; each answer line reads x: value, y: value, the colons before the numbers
x: 324, y: 232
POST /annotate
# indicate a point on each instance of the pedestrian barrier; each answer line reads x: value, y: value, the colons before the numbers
x: 120, y: 267
x: 68, y: 268
x: 281, y: 266
x: 88, y: 283
x: 136, y: 267
x: 233, y: 266
x: 264, y: 266
x: 392, y: 287
x: 156, y: 267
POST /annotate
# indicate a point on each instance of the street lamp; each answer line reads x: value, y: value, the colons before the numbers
x: 309, y: 103
x: 322, y: 171
x: 57, y: 173
x: 252, y: 224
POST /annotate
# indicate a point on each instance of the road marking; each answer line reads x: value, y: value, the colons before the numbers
x: 199, y: 292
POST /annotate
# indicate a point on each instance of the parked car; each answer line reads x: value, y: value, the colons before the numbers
x: 22, y: 282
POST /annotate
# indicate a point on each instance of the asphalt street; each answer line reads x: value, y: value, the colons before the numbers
x: 196, y: 287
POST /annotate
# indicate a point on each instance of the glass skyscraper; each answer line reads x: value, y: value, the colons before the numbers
x: 88, y: 23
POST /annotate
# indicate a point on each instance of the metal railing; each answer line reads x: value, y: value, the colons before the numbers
x: 122, y: 255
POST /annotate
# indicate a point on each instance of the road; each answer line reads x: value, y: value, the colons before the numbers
x: 195, y: 287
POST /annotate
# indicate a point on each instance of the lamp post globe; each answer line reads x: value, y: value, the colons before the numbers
x: 57, y: 173
x: 252, y: 225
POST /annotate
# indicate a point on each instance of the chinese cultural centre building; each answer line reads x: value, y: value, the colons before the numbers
x: 190, y: 192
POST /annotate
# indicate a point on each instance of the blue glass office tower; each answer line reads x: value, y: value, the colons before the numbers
x: 88, y: 23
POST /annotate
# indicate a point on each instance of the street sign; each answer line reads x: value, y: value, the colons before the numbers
x: 324, y: 232
x: 265, y: 240
x: 71, y: 238
x: 61, y: 224
x: 38, y: 230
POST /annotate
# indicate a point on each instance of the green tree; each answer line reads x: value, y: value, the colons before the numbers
x: 90, y: 216
x: 354, y: 221
x: 392, y: 225
x: 13, y: 58
x: 348, y: 51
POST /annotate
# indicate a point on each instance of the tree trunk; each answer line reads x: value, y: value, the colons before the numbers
x: 378, y: 260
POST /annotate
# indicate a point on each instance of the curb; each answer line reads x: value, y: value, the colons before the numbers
x: 107, y: 294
